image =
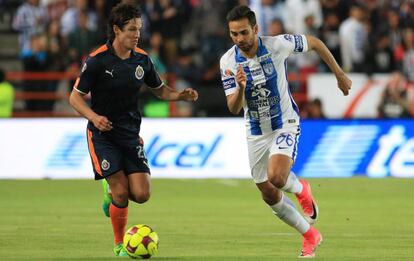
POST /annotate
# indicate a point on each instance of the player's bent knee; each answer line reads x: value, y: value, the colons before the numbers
x: 270, y: 194
x: 120, y: 197
x: 271, y: 198
x: 141, y: 198
x: 277, y: 178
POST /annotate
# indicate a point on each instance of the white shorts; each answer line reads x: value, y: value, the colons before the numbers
x: 262, y: 147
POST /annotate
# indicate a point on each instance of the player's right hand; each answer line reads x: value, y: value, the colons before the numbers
x: 241, y: 77
x: 102, y: 123
x: 344, y: 83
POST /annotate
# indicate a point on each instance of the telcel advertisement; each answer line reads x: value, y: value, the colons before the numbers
x: 210, y: 148
x: 345, y: 148
x: 175, y: 148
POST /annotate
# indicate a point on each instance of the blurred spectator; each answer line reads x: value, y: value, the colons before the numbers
x: 338, y: 7
x: 82, y: 40
x: 153, y: 106
x: 55, y: 47
x: 314, y: 110
x: 353, y: 35
x: 166, y: 17
x: 405, y: 12
x: 394, y: 28
x: 6, y: 97
x: 37, y: 59
x: 308, y: 62
x: 380, y: 57
x: 102, y: 19
x: 296, y: 12
x: 266, y: 11
x: 55, y: 8
x: 69, y: 20
x: 394, y: 102
x: 276, y: 27
x: 188, y: 75
x: 155, y: 54
x: 31, y: 18
x: 372, y: 12
x: 329, y: 34
x: 211, y: 40
x: 408, y: 54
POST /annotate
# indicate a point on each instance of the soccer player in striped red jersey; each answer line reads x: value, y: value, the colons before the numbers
x: 113, y: 75
x: 254, y: 77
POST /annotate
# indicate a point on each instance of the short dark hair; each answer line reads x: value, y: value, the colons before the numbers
x: 240, y: 12
x: 120, y: 15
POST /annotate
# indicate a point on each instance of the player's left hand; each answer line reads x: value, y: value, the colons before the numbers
x: 188, y: 94
x: 344, y: 83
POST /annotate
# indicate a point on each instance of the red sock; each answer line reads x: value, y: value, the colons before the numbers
x: 119, y: 218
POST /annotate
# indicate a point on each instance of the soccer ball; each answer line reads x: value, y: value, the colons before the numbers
x: 140, y: 241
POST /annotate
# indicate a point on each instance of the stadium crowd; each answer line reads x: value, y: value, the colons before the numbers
x: 185, y: 38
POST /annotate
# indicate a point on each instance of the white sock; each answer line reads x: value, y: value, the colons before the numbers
x: 286, y: 211
x: 292, y: 184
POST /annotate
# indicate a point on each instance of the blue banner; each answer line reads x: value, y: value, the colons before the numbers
x: 345, y: 148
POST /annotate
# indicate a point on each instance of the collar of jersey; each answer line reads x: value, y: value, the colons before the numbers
x: 112, y: 51
x: 260, y: 51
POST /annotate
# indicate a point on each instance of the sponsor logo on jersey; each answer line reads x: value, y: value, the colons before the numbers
x: 110, y: 72
x: 288, y: 37
x: 229, y: 83
x: 256, y: 72
x: 139, y: 72
x: 298, y: 43
x: 262, y: 102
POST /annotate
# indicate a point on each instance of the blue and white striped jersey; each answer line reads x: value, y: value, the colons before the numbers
x: 268, y: 103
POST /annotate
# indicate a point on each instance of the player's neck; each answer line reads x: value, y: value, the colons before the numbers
x: 252, y: 52
x: 120, y: 50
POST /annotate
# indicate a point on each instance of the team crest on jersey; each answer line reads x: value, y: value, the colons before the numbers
x: 268, y: 69
x: 84, y: 67
x: 105, y: 165
x: 139, y: 72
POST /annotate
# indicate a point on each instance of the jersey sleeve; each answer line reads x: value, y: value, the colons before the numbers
x: 292, y: 43
x: 88, y: 76
x: 228, y: 78
x: 152, y: 79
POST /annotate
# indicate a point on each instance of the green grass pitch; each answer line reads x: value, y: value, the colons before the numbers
x: 361, y: 219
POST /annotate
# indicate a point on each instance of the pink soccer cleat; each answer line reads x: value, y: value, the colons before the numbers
x: 311, y: 240
x: 308, y: 204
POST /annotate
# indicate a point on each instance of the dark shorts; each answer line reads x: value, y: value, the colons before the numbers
x: 112, y: 153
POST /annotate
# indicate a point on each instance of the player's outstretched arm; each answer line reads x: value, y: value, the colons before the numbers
x: 235, y: 100
x: 344, y: 83
x: 169, y: 94
x: 78, y: 103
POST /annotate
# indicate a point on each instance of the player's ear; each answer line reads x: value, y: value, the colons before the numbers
x: 256, y: 29
x: 116, y: 29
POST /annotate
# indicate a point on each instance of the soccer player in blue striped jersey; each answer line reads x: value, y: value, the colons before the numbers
x: 254, y: 77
